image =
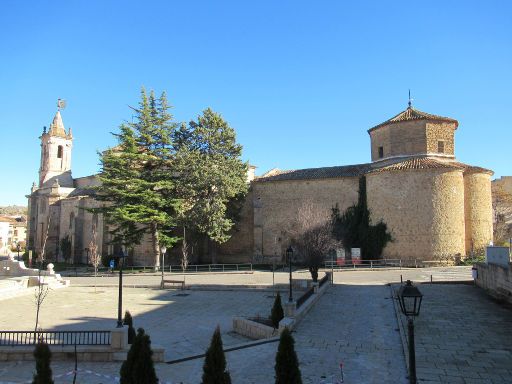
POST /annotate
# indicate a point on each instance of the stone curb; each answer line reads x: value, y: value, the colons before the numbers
x: 235, y: 347
x: 401, y: 327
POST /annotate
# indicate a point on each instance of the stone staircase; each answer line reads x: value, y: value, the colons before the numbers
x: 16, y: 279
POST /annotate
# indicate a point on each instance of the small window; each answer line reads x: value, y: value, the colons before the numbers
x: 381, y: 152
x: 440, y: 146
x: 59, y: 152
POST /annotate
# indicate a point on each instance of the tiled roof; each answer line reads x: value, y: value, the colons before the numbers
x: 417, y: 163
x: 473, y: 169
x: 411, y: 114
x: 317, y: 173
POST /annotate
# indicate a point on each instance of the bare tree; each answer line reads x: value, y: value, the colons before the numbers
x: 184, y: 254
x: 312, y: 236
x: 42, y: 289
x: 94, y: 256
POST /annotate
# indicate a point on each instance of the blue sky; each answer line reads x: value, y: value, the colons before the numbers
x: 300, y: 81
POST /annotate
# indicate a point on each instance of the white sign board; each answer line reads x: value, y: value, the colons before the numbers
x: 356, y: 255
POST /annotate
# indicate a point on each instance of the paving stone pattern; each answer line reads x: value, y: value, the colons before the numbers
x: 356, y: 325
x: 462, y: 336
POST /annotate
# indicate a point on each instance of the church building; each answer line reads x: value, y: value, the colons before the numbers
x: 434, y: 206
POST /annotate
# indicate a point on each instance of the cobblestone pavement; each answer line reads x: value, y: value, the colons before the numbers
x: 356, y: 325
x: 462, y: 336
x: 353, y: 323
x: 183, y: 325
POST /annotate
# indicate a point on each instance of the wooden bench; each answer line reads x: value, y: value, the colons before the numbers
x: 173, y: 282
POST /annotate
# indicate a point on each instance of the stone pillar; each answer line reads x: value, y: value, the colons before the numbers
x: 119, y: 338
x: 289, y: 308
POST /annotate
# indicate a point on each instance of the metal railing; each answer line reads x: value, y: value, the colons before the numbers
x: 14, y: 338
x: 386, y: 263
x: 210, y: 268
x: 301, y: 300
x: 381, y: 263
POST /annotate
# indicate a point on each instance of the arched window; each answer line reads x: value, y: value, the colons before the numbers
x: 59, y: 152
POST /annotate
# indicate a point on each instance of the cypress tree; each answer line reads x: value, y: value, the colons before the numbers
x: 214, y: 367
x: 128, y: 320
x: 43, y: 357
x: 138, y: 368
x: 354, y: 229
x: 287, y: 365
x: 277, y: 313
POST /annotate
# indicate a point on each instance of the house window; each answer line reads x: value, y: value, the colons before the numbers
x: 440, y: 146
x: 381, y: 152
x: 59, y: 152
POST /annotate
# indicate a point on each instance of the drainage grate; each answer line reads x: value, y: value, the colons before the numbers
x: 182, y: 294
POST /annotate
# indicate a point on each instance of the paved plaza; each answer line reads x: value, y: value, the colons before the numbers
x: 463, y: 339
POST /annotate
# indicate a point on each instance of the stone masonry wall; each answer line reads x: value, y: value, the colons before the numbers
x: 423, y: 209
x: 496, y: 279
x: 405, y: 138
x: 478, y: 211
x: 277, y: 205
x: 239, y: 248
x: 441, y: 132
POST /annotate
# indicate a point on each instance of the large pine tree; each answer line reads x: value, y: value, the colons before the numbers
x: 137, y: 180
x: 213, y: 178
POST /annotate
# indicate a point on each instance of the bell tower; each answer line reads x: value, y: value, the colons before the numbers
x: 56, y: 147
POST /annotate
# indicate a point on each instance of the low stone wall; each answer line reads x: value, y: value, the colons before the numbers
x: 495, y: 279
x: 293, y: 316
x: 253, y: 329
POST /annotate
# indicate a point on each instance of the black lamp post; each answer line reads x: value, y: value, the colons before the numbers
x: 162, y: 251
x: 289, y: 256
x: 18, y: 248
x: 121, y: 258
x: 410, y: 298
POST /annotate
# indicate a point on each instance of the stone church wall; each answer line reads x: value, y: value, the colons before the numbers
x: 277, y: 204
x: 405, y: 138
x: 441, y: 132
x: 478, y: 211
x: 423, y: 209
x: 239, y: 249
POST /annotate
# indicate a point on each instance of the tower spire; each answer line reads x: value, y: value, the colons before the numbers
x: 410, y: 100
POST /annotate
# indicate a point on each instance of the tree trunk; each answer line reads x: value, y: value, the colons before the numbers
x: 156, y: 248
x: 212, y: 251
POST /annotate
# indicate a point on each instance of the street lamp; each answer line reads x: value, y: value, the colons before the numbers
x: 121, y: 258
x: 410, y: 298
x: 18, y: 248
x: 289, y: 256
x: 163, y: 249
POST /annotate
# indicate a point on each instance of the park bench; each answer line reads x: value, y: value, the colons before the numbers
x: 172, y: 282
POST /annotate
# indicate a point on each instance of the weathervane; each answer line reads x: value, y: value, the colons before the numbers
x: 61, y: 104
x: 410, y: 100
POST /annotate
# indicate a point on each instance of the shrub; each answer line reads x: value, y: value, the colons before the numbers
x: 277, y: 313
x: 43, y: 357
x: 214, y: 368
x: 287, y: 365
x: 138, y: 367
x: 128, y: 320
